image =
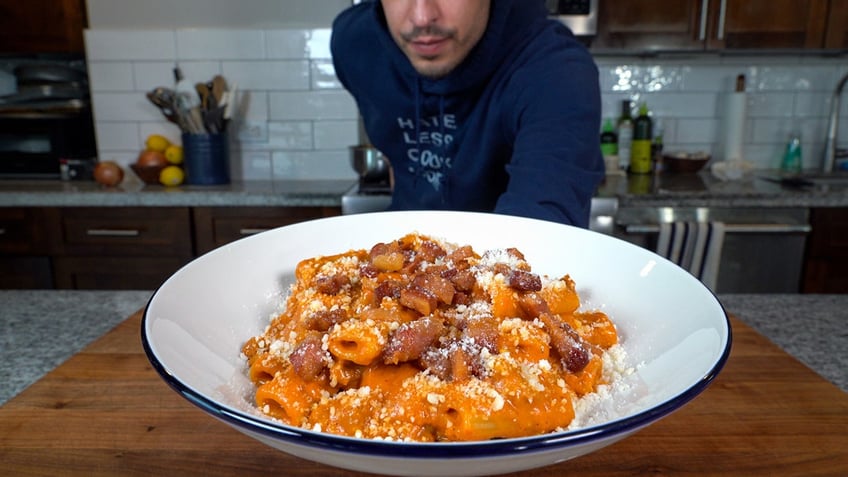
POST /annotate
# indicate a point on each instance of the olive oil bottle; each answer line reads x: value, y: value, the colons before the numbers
x: 640, y: 151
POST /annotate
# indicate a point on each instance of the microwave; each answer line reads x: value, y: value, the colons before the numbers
x: 34, y: 143
x: 580, y: 16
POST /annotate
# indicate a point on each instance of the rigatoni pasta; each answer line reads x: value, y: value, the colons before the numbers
x: 422, y: 340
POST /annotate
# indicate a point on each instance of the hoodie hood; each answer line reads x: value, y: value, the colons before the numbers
x: 507, y: 31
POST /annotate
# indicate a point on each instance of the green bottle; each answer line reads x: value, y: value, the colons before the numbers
x: 640, y: 152
x: 609, y: 139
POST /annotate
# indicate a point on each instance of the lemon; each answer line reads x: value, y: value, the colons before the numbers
x: 157, y: 142
x: 174, y: 154
x: 172, y: 176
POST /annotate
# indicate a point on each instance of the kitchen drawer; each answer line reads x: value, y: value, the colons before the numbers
x: 26, y: 230
x: 136, y: 231
x: 21, y: 273
x: 114, y: 273
x: 216, y: 226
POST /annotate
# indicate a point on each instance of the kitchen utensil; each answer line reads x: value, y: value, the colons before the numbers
x: 369, y: 163
x: 185, y: 87
x: 163, y: 99
x: 219, y: 85
x: 230, y: 99
x: 204, y: 93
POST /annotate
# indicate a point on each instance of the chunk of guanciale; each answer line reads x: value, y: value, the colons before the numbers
x: 573, y: 351
x: 307, y: 359
x: 410, y: 340
x: 418, y: 299
x: 387, y: 257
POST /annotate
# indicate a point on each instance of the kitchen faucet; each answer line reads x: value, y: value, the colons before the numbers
x: 831, y: 151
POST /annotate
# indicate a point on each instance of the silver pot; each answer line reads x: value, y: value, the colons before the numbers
x: 369, y: 163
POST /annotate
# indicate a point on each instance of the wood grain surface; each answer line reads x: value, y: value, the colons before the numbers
x: 106, y: 412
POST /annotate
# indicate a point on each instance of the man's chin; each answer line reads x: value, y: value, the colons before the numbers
x: 432, y: 69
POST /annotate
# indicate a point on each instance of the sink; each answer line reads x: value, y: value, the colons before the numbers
x: 826, y: 178
x: 810, y: 179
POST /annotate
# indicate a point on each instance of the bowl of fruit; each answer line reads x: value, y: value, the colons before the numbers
x: 160, y: 162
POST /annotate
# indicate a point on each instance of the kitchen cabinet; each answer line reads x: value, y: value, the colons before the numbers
x: 216, y: 226
x: 720, y: 24
x: 118, y: 248
x: 25, y: 238
x: 836, y: 35
x: 826, y: 265
x: 123, y: 248
x: 42, y: 26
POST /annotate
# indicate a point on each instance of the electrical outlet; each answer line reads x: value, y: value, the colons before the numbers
x: 253, y: 131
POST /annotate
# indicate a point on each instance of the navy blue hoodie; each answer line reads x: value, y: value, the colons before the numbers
x: 513, y: 129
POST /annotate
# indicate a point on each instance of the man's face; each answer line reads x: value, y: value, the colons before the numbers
x: 436, y: 35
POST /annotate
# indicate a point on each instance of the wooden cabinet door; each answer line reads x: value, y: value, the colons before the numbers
x: 651, y: 24
x: 42, y: 26
x: 826, y: 265
x: 121, y: 248
x: 720, y: 24
x: 836, y: 34
x: 764, y: 24
x: 216, y: 226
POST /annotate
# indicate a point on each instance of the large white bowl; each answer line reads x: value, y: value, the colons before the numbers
x: 674, y: 330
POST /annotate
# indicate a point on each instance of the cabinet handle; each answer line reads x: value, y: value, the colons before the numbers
x: 705, y: 6
x: 722, y: 16
x: 734, y: 229
x: 249, y: 231
x: 113, y: 232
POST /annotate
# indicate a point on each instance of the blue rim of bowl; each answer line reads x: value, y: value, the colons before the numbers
x: 435, y: 450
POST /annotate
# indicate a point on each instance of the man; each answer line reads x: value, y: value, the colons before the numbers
x: 480, y: 105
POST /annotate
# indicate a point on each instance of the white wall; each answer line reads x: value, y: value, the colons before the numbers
x: 212, y: 13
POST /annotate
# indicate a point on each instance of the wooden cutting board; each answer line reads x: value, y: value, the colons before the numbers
x: 106, y: 412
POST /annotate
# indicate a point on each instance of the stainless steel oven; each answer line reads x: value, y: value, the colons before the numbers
x: 763, y: 249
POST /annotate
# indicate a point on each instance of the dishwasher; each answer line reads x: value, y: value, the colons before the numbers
x: 763, y: 250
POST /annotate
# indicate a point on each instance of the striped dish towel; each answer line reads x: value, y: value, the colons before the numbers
x: 694, y: 246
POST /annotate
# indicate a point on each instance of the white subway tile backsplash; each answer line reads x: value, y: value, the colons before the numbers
x: 324, y: 75
x: 117, y: 135
x: 131, y: 106
x: 695, y: 131
x: 298, y: 44
x: 111, y: 76
x: 767, y: 104
x: 129, y: 45
x: 251, y: 105
x: 268, y: 75
x: 293, y: 118
x: 335, y: 134
x: 314, y: 164
x: 213, y: 44
x: 314, y: 105
x: 294, y: 135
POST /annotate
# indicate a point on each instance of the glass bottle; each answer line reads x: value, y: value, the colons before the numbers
x: 640, y: 154
x: 792, y: 156
x: 625, y: 135
x: 609, y: 139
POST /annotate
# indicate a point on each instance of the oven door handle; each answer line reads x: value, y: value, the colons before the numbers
x: 732, y: 228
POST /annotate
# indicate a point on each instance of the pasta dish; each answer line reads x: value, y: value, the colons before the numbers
x: 422, y: 340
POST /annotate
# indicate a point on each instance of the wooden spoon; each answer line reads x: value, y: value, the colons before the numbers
x: 219, y: 85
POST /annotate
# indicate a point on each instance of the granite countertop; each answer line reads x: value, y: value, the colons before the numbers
x: 705, y: 190
x: 694, y: 190
x: 40, y: 329
x: 287, y: 193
